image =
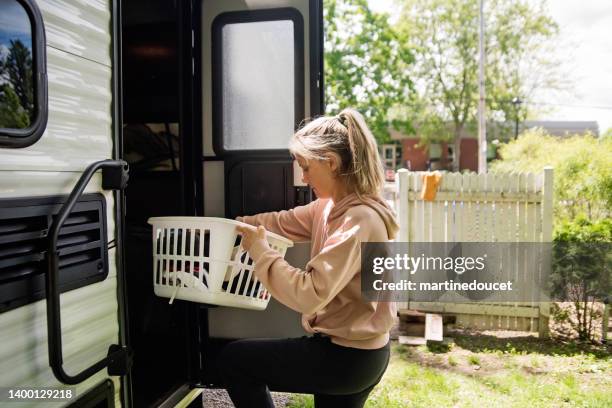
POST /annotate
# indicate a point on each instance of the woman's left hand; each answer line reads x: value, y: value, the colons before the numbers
x: 251, y: 234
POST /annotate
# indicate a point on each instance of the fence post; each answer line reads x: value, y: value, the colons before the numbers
x: 547, y: 226
x: 403, y: 212
x: 402, y: 182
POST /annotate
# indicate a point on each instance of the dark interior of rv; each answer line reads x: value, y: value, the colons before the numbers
x: 159, y: 335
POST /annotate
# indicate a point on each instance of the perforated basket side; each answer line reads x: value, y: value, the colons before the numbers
x: 180, y: 251
x: 241, y: 279
x: 200, y: 259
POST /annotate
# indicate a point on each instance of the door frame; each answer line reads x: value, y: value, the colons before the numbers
x: 119, y: 195
x: 192, y: 154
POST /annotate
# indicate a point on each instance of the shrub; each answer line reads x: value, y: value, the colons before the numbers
x: 581, y: 270
x: 583, y: 175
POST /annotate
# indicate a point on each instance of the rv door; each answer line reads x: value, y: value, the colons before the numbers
x: 260, y: 66
x: 213, y: 91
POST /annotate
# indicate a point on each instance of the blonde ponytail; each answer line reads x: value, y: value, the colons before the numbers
x: 347, y: 136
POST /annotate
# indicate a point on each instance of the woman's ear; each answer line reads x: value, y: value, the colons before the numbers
x: 333, y: 161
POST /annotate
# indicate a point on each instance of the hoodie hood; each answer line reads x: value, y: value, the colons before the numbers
x: 379, y: 205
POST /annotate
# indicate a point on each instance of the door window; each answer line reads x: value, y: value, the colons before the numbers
x: 257, y: 79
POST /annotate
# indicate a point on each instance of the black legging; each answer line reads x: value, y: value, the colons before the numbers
x: 337, y: 376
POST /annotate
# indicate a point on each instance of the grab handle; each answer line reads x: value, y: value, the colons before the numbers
x: 118, y: 359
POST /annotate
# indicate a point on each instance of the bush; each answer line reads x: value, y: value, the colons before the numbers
x: 581, y: 271
x: 583, y: 174
x: 581, y: 215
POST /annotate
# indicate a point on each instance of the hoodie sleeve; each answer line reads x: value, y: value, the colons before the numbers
x: 310, y: 290
x: 295, y: 224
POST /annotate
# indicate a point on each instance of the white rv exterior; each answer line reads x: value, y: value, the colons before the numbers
x: 79, y: 131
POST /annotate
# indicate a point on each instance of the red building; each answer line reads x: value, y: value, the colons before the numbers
x: 439, y: 156
x: 436, y: 156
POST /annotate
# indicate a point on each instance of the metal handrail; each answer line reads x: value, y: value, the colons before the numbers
x: 114, y: 177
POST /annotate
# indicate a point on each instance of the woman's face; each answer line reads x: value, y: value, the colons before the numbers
x: 319, y: 175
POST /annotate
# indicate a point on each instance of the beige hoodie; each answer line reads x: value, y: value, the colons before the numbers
x: 328, y: 292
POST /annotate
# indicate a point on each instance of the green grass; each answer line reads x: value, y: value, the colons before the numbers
x: 473, y: 359
x: 480, y: 370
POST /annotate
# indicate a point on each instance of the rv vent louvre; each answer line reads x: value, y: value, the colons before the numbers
x: 14, y: 248
x: 12, y: 230
x: 78, y: 238
x: 21, y: 225
x: 20, y: 271
x: 24, y: 226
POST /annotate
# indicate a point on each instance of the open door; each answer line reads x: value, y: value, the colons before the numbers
x: 261, y: 76
x: 204, y: 136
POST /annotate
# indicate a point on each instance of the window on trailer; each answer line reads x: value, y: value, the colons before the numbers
x: 23, y: 85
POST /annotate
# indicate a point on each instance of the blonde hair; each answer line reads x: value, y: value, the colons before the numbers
x: 347, y: 136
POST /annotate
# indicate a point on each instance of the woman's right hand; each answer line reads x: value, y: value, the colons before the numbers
x: 251, y: 234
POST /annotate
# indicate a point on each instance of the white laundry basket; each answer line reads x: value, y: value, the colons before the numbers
x: 200, y: 259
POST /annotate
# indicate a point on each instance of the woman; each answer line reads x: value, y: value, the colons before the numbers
x: 349, y: 351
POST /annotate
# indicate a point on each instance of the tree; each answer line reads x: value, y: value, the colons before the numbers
x: 366, y: 62
x: 12, y: 114
x: 583, y: 175
x: 444, y: 36
x: 16, y: 76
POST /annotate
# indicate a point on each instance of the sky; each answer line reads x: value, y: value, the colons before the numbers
x: 14, y: 24
x: 586, y: 48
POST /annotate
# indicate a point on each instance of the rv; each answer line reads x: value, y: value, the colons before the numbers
x: 194, y: 101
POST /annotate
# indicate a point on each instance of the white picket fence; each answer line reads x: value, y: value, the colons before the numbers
x: 471, y: 207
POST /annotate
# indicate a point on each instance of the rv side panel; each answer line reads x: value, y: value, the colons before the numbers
x: 79, y: 132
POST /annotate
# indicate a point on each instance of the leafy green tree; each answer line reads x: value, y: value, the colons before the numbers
x: 444, y: 36
x: 16, y: 76
x: 19, y: 67
x: 12, y: 114
x: 366, y: 62
x: 583, y: 175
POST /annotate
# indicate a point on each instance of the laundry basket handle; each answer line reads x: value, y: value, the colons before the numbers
x: 114, y: 176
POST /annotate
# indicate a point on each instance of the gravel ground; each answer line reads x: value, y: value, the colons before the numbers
x: 218, y: 398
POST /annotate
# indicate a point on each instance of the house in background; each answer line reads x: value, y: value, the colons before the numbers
x: 563, y: 128
x: 439, y: 156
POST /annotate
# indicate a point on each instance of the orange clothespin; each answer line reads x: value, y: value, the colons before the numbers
x: 431, y: 181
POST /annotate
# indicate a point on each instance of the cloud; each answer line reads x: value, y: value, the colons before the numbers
x: 580, y: 14
x: 584, y: 29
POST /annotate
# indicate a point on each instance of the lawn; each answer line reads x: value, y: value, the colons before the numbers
x: 495, y: 370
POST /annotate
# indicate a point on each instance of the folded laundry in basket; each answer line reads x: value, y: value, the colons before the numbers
x: 230, y: 267
x: 185, y: 279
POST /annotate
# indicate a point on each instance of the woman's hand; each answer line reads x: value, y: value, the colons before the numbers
x: 251, y: 234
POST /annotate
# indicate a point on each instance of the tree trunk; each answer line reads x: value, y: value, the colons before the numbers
x: 591, y: 316
x: 584, y: 335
